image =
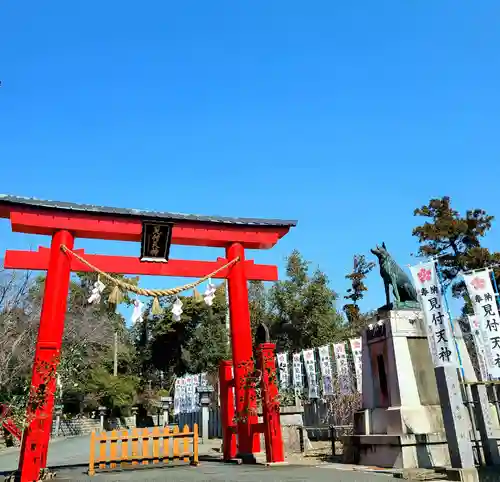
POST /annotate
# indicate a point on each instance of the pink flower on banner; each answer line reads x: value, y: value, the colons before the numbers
x: 424, y: 275
x: 478, y: 283
x: 309, y: 355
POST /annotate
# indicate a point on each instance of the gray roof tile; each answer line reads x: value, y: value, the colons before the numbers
x: 6, y: 199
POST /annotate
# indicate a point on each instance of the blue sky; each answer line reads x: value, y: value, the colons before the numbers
x: 343, y: 115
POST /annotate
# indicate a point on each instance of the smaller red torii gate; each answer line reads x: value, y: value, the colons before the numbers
x: 65, y: 222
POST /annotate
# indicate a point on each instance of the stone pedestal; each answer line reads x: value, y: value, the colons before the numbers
x: 401, y: 422
x: 295, y: 439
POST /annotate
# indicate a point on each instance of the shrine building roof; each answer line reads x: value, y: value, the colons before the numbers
x: 8, y: 201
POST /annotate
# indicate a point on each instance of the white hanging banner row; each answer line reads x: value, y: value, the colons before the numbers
x: 358, y: 362
x: 186, y: 398
x: 282, y: 359
x: 483, y: 299
x: 437, y: 321
x: 186, y: 395
x: 331, y: 373
x: 325, y: 364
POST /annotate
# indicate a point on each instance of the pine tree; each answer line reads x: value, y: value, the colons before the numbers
x: 455, y: 240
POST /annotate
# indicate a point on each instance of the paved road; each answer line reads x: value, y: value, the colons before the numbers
x: 70, y: 456
x: 62, y: 451
x: 217, y: 471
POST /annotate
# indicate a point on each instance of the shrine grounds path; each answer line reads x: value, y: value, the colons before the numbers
x: 68, y: 457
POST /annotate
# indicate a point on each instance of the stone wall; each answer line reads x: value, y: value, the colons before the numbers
x: 84, y: 426
x: 76, y: 426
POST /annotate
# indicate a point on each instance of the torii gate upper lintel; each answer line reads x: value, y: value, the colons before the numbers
x: 65, y: 222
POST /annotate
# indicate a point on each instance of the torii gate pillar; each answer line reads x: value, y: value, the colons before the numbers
x: 48, y: 348
x: 241, y: 344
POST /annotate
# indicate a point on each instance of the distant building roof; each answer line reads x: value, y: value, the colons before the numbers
x: 7, y: 200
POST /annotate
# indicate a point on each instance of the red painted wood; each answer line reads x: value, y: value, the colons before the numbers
x: 39, y: 261
x: 97, y: 226
x: 241, y: 344
x: 46, y: 223
x: 259, y: 427
x: 270, y: 404
x: 34, y: 446
x: 12, y: 428
x: 7, y: 423
x: 226, y: 384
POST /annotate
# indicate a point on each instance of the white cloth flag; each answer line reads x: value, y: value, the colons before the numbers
x: 311, y: 373
x: 437, y: 321
x: 326, y: 369
x: 195, y: 405
x: 177, y: 397
x: 356, y: 345
x: 482, y: 296
x: 343, y: 372
x: 190, y: 395
x: 283, y: 370
x: 183, y: 394
x: 298, y: 383
x: 477, y: 338
x: 180, y: 396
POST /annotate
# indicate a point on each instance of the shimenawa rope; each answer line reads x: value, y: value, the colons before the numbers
x: 115, y: 296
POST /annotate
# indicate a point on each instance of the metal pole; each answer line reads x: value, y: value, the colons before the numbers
x: 115, y: 356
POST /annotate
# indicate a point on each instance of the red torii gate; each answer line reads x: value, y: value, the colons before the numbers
x: 65, y: 222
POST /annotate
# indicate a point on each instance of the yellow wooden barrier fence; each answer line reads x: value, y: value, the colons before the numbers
x: 135, y: 447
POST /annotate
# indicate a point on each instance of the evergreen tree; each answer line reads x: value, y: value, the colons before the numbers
x: 302, y: 308
x: 456, y: 241
x: 196, y: 343
x: 356, y: 320
x: 258, y: 300
x: 209, y: 344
